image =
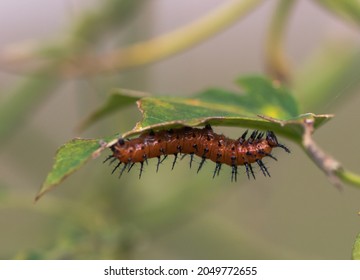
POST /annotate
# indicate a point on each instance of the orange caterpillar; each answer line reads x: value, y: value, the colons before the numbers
x: 202, y: 142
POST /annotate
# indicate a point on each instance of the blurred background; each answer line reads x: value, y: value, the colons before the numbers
x: 295, y: 214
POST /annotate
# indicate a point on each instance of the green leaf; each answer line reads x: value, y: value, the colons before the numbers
x: 268, y: 97
x: 219, y: 107
x: 157, y: 110
x: 261, y: 97
x: 69, y: 158
x: 356, y: 249
x: 118, y: 99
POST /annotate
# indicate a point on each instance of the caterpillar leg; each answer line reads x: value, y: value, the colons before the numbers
x: 130, y: 166
x: 173, y: 164
x: 158, y: 163
x: 249, y: 170
x: 109, y: 157
x: 283, y: 147
x: 165, y: 156
x: 191, y: 158
x: 233, y: 173
x: 145, y: 159
x: 116, y: 167
x: 141, y: 168
x: 263, y: 168
x: 203, y: 159
x: 272, y: 140
x: 270, y: 156
x: 163, y: 152
x: 217, y: 169
x: 123, y: 169
x: 179, y: 148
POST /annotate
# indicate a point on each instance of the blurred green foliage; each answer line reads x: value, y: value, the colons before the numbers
x: 97, y: 216
x: 356, y: 249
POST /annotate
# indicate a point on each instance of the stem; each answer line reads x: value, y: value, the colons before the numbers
x: 277, y: 63
x: 348, y: 177
x: 331, y: 167
x: 165, y: 45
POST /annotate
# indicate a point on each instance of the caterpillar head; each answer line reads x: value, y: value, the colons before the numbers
x: 273, y: 142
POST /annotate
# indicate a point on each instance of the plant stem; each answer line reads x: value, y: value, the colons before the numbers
x: 348, y: 177
x: 331, y: 167
x: 276, y: 61
x: 165, y: 45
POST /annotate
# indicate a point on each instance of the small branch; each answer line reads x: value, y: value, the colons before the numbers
x: 348, y: 177
x: 22, y: 58
x: 332, y: 168
x: 277, y: 63
x: 165, y: 45
x: 143, y: 52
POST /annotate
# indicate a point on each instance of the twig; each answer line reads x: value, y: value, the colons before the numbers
x: 277, y: 63
x: 324, y: 161
x: 156, y: 48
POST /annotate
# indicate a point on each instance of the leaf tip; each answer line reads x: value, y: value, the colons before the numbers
x: 40, y: 194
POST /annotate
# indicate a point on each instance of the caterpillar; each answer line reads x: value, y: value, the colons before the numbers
x: 202, y: 142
